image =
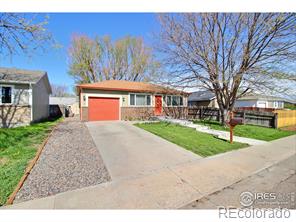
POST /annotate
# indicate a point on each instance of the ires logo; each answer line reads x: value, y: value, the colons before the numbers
x: 248, y: 198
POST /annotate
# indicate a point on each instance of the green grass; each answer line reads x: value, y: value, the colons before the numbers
x: 202, y: 144
x: 249, y: 131
x: 17, y: 147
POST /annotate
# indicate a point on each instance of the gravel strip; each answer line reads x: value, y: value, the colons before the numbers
x: 70, y: 160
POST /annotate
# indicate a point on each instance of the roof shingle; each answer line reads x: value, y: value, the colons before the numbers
x: 13, y: 75
x: 122, y: 85
x: 201, y: 96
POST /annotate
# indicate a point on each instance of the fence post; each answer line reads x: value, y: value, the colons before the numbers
x: 244, y: 116
x: 275, y: 120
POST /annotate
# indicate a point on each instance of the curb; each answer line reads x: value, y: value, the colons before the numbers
x: 30, y: 167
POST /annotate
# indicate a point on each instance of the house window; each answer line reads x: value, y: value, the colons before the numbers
x: 132, y: 99
x: 174, y: 100
x: 140, y: 100
x: 275, y: 104
x: 181, y: 101
x: 169, y: 100
x: 6, y: 94
x: 148, y: 100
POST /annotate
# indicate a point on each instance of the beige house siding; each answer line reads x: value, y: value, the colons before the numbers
x: 20, y: 93
x: 19, y: 112
x: 86, y: 93
x: 40, y: 101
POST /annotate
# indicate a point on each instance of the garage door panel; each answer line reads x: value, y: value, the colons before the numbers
x: 100, y: 108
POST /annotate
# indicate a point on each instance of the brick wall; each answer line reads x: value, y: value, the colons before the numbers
x: 176, y: 112
x: 136, y: 113
x: 12, y: 116
x: 84, y: 114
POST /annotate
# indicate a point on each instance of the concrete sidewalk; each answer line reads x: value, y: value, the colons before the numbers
x: 279, y: 179
x: 172, y: 187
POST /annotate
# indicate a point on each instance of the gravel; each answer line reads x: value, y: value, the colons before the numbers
x: 70, y: 160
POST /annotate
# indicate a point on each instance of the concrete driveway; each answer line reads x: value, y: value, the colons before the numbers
x: 129, y: 151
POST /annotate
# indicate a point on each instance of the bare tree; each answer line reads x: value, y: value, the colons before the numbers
x: 60, y: 90
x: 20, y: 32
x: 84, y: 59
x: 92, y: 60
x: 229, y: 54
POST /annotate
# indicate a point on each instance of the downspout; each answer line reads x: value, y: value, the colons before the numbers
x: 31, y: 99
x: 80, y: 102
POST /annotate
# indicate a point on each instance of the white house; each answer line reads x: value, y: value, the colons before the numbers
x: 260, y: 101
x: 207, y: 98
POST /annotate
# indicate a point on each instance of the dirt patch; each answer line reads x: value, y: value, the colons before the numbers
x: 3, y: 160
x: 289, y: 128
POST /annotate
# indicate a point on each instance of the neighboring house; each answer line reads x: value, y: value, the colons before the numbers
x: 260, y: 101
x: 202, y: 98
x: 63, y: 102
x: 125, y: 100
x: 24, y: 96
x: 208, y: 99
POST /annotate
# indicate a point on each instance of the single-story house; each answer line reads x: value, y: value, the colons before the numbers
x: 24, y: 96
x: 260, y: 101
x: 61, y: 103
x: 208, y: 99
x: 203, y: 98
x: 125, y: 100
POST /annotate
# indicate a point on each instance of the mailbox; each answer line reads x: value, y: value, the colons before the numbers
x: 232, y: 123
x: 235, y: 121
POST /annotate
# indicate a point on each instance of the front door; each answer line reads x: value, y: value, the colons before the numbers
x: 158, y: 105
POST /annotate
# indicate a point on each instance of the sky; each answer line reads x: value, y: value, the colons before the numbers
x: 64, y: 25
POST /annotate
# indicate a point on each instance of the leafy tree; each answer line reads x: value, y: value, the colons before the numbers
x: 98, y: 59
x: 229, y: 54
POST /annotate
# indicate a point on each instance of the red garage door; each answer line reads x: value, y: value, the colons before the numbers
x: 103, y: 108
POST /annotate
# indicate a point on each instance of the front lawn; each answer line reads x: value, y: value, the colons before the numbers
x: 249, y: 131
x: 17, y: 147
x: 200, y: 143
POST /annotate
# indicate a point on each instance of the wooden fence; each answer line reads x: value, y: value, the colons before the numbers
x: 266, y: 119
x: 285, y: 118
x: 258, y: 118
x: 275, y: 119
x: 203, y: 113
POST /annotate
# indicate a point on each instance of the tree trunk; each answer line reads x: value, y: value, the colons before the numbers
x: 224, y: 115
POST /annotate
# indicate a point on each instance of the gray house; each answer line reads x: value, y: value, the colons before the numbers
x: 24, y: 96
x: 202, y: 98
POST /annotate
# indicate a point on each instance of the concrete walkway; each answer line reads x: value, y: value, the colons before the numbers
x: 175, y: 186
x: 129, y: 151
x: 220, y: 134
